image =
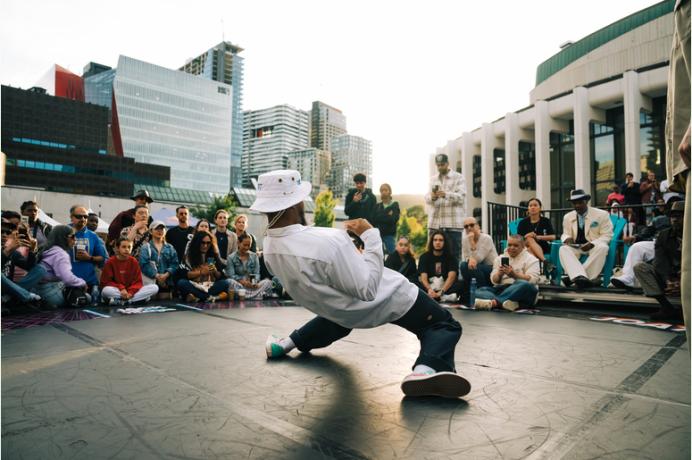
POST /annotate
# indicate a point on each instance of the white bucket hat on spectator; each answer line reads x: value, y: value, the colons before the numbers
x: 157, y: 223
x: 279, y: 190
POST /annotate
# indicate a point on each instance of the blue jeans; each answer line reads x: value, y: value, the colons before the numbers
x: 51, y: 293
x: 520, y: 291
x: 434, y: 326
x: 481, y: 273
x: 389, y: 243
x: 20, y: 289
x: 186, y: 287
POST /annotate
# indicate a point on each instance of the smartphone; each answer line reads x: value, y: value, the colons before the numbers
x: 435, y: 188
x: 504, y: 260
x: 25, y: 220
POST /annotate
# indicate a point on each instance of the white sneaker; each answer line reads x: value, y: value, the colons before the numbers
x: 115, y: 301
x: 34, y: 297
x: 443, y: 384
x: 483, y: 304
x: 510, y: 305
x: 273, y: 347
x: 448, y: 298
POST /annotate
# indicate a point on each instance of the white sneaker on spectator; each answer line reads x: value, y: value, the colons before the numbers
x: 510, y: 305
x: 115, y: 301
x: 448, y: 298
x: 483, y: 304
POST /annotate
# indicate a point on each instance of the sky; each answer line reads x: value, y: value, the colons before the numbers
x: 408, y: 75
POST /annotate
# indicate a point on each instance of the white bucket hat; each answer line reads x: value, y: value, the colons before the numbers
x: 279, y: 190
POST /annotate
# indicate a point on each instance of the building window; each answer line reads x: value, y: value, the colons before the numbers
x: 652, y: 145
x: 607, y: 154
x: 561, y: 168
x: 527, y: 166
x: 499, y: 171
x: 477, y: 176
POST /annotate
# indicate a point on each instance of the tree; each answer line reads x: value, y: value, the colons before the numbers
x: 413, y: 224
x: 226, y: 202
x: 324, y: 209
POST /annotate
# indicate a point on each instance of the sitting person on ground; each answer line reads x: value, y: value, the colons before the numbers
x: 158, y: 260
x: 660, y: 278
x: 240, y: 227
x: 437, y: 269
x: 538, y: 232
x: 127, y: 218
x: 88, y: 252
x: 478, y: 254
x: 385, y: 218
x: 515, y: 278
x: 201, y: 273
x: 360, y: 201
x: 586, y: 231
x: 180, y: 235
x: 54, y: 257
x: 403, y: 260
x: 225, y: 238
x: 631, y: 228
x: 17, y: 291
x: 121, y: 279
x: 39, y: 230
x: 641, y: 250
x: 138, y: 232
x: 201, y: 225
x: 243, y: 271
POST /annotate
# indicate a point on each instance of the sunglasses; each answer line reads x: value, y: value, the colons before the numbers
x: 71, y: 236
x: 80, y: 216
x: 467, y: 226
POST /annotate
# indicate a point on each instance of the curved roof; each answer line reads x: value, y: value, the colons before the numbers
x: 589, y: 43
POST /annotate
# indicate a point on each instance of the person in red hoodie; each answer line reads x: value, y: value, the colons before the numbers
x: 121, y: 279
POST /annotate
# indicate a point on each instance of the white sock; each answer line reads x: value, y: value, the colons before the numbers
x: 287, y: 344
x: 423, y: 369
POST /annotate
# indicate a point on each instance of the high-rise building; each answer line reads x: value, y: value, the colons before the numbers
x: 268, y: 135
x: 60, y: 82
x: 171, y: 118
x: 98, y: 84
x: 313, y: 165
x: 326, y: 122
x: 223, y: 63
x: 350, y: 155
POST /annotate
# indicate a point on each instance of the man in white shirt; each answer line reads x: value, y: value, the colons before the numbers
x: 322, y: 271
x: 514, y: 277
x: 447, y: 203
x: 585, y: 231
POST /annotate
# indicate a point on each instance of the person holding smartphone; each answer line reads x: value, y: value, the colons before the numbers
x: 446, y: 203
x: 18, y: 253
x: 514, y: 277
x: 38, y: 229
x: 201, y: 272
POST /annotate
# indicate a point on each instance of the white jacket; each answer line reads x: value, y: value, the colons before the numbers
x: 598, y: 229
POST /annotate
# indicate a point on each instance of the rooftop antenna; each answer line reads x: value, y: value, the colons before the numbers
x: 223, y: 35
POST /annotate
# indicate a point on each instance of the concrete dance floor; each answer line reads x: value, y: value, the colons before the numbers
x: 196, y: 385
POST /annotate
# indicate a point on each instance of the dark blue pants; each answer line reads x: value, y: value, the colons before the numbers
x: 186, y: 287
x: 434, y: 326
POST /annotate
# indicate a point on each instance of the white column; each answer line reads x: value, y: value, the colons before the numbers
x: 583, y: 115
x: 512, y: 191
x: 634, y: 101
x: 487, y: 180
x: 542, y: 143
x: 467, y: 170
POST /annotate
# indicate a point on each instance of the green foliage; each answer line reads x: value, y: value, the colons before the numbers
x: 324, y: 209
x: 413, y: 223
x: 226, y: 202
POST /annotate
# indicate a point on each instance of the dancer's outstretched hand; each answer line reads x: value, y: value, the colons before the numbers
x: 357, y: 226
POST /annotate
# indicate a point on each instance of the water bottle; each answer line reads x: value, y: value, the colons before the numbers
x: 472, y: 293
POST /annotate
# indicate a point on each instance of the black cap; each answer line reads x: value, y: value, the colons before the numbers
x: 142, y: 194
x: 441, y: 158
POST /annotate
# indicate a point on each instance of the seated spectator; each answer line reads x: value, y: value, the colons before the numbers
x: 661, y: 277
x: 12, y: 217
x: 39, y: 230
x: 180, y: 235
x: 88, y: 251
x: 14, y: 292
x: 385, y: 218
x: 243, y: 271
x: 121, y: 280
x: 642, y: 250
x: 158, y: 260
x: 477, y: 256
x: 538, y: 232
x: 403, y: 260
x: 127, y: 218
x: 201, y: 273
x: 225, y: 239
x: 138, y: 232
x: 514, y: 276
x: 54, y: 257
x: 667, y: 194
x: 240, y: 227
x: 615, y: 196
x: 586, y: 231
x: 438, y: 269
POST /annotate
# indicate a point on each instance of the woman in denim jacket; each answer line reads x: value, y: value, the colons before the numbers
x: 243, y: 271
x: 158, y: 260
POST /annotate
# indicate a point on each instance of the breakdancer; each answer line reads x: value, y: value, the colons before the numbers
x: 323, y: 271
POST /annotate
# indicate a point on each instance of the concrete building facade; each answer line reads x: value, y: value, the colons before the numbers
x: 350, y: 155
x: 314, y: 166
x: 326, y: 122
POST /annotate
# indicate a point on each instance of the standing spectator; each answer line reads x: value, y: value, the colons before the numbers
x: 13, y: 259
x: 127, y: 218
x: 121, y: 279
x: 201, y: 271
x: 181, y: 234
x: 225, y: 239
x: 403, y: 260
x: 438, y: 269
x: 478, y: 254
x: 615, y: 196
x: 661, y: 277
x: 55, y: 259
x: 630, y: 190
x: 240, y: 227
x: 88, y: 251
x: 93, y: 222
x: 360, y: 201
x: 650, y: 191
x: 538, y: 232
x: 585, y: 231
x: 514, y: 282
x: 447, y: 203
x: 39, y: 230
x: 386, y: 217
x: 243, y: 271
x: 202, y: 225
x: 158, y: 259
x: 138, y: 232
